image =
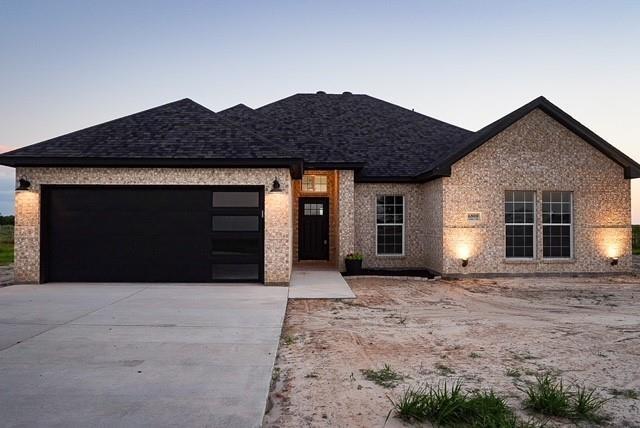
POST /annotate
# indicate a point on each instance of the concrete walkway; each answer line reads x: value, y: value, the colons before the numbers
x: 310, y: 283
x: 136, y: 355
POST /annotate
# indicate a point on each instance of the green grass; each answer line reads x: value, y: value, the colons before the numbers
x: 385, y: 377
x: 447, y: 405
x: 586, y: 405
x: 6, y: 245
x: 548, y: 396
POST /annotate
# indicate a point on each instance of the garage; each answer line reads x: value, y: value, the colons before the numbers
x: 152, y: 234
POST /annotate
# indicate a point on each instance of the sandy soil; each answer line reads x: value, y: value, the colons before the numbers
x: 585, y: 329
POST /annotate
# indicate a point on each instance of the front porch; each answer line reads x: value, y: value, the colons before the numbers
x: 322, y: 219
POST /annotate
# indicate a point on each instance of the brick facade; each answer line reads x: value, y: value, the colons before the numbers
x: 536, y: 154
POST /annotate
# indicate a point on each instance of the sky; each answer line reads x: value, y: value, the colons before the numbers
x: 66, y: 65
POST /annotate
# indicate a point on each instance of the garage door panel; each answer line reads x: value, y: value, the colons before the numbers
x: 145, y: 234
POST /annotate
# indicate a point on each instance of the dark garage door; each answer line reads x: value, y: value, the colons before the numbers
x: 152, y: 234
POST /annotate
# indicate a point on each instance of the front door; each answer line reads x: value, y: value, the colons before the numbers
x: 313, y: 229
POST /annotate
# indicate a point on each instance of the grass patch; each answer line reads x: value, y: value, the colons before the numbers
x: 548, y: 396
x: 385, y: 377
x: 513, y: 373
x: 289, y: 340
x: 448, y: 405
x: 6, y: 244
x: 586, y: 405
x: 444, y: 369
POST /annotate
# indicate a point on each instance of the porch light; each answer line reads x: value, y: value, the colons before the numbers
x: 23, y: 185
x: 614, y: 261
x: 275, y: 187
x: 464, y: 251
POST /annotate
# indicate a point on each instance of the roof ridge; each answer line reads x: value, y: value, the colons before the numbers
x: 413, y: 111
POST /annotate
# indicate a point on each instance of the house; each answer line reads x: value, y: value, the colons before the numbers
x: 179, y: 193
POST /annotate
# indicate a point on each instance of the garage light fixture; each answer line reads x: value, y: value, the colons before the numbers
x: 614, y: 261
x: 23, y: 185
x: 275, y: 187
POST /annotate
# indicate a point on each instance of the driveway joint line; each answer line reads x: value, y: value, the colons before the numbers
x: 54, y: 326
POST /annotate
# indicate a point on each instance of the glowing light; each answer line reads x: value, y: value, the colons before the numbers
x: 612, y: 251
x: 464, y: 251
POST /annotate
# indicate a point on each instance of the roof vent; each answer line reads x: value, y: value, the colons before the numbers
x: 321, y: 93
x: 347, y: 93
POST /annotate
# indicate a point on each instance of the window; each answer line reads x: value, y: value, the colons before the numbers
x: 390, y: 225
x: 236, y: 223
x: 314, y: 183
x: 236, y: 199
x: 313, y: 209
x: 557, y: 208
x: 519, y: 219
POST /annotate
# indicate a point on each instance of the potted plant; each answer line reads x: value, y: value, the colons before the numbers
x: 353, y: 263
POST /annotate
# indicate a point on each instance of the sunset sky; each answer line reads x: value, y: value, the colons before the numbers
x: 68, y: 65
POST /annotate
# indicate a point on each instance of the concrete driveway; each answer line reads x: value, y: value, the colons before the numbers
x: 137, y: 355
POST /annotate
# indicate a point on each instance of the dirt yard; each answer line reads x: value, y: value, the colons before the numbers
x: 491, y: 334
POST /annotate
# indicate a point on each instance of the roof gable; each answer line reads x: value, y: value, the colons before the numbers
x: 631, y: 168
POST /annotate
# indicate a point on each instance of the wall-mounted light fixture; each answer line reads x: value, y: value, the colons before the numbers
x: 614, y: 261
x: 23, y: 184
x: 275, y: 187
x: 464, y: 252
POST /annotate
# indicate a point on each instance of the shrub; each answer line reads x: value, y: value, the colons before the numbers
x: 354, y: 256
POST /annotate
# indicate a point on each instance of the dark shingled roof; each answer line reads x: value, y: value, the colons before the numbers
x: 382, y: 141
x: 392, y: 141
x: 312, y: 150
x: 179, y: 130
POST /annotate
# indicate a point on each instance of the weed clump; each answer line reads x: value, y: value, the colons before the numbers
x: 385, y: 377
x: 448, y: 405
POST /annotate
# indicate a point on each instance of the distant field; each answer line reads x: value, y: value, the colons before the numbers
x: 6, y: 245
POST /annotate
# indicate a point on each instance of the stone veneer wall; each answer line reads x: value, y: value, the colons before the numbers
x: 433, y: 221
x: 415, y: 224
x: 539, y: 154
x: 277, y: 207
x: 346, y: 208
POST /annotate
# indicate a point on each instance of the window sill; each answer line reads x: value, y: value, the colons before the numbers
x: 559, y: 261
x: 520, y: 261
x: 392, y: 256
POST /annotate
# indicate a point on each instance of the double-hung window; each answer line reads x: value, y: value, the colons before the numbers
x: 557, y: 224
x: 520, y: 219
x: 390, y: 225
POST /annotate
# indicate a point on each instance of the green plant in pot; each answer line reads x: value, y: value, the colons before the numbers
x: 353, y: 263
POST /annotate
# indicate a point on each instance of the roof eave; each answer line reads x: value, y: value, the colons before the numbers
x: 295, y: 165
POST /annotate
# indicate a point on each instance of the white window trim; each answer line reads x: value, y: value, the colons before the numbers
x: 535, y: 232
x: 571, y: 237
x: 404, y: 220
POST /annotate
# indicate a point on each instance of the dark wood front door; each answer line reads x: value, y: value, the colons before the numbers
x: 313, y: 229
